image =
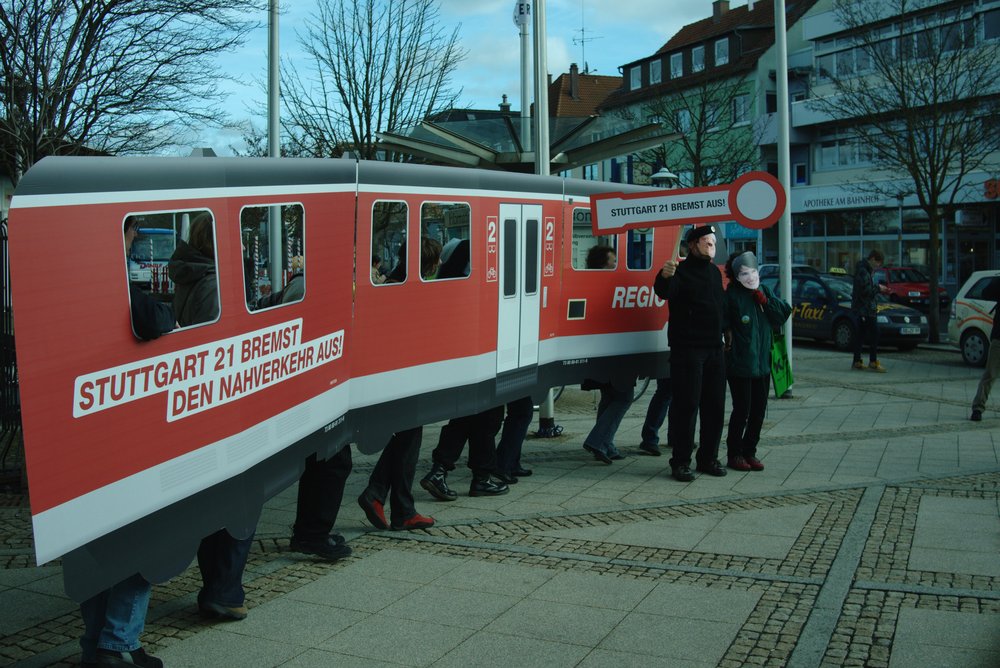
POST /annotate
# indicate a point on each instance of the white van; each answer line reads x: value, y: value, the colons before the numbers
x: 972, y: 318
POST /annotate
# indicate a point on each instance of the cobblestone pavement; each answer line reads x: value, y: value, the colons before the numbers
x: 871, y: 539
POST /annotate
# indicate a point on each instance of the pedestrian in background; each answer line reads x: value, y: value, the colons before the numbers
x: 992, y: 370
x: 864, y: 306
x: 753, y: 313
x: 693, y: 288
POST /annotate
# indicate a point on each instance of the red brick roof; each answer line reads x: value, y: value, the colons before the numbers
x: 756, y: 35
x: 593, y: 90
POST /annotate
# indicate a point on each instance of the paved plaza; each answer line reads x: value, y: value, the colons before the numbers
x: 871, y: 539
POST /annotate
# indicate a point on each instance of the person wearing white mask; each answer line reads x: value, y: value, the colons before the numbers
x: 753, y: 312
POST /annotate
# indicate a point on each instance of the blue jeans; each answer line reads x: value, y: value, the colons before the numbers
x: 515, y: 427
x: 610, y: 411
x: 659, y: 404
x: 222, y: 560
x: 114, y: 619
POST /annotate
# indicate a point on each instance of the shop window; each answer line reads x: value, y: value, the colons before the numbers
x: 389, y: 242
x: 584, y: 240
x: 266, y: 284
x: 843, y: 223
x: 448, y: 223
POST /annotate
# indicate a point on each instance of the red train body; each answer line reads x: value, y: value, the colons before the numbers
x: 135, y: 450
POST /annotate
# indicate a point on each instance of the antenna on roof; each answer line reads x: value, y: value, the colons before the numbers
x: 583, y: 39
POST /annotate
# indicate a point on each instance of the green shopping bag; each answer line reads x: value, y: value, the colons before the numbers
x: 781, y: 370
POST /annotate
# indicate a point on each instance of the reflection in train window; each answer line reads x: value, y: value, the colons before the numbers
x: 273, y: 255
x: 194, y: 269
x: 584, y: 239
x: 150, y: 240
x: 450, y: 224
x: 639, y: 249
x: 388, y: 258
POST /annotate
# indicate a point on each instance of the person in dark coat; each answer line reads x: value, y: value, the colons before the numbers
x: 864, y: 306
x: 693, y: 289
x: 221, y: 557
x: 753, y: 313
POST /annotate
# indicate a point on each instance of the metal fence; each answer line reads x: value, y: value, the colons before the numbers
x: 11, y: 450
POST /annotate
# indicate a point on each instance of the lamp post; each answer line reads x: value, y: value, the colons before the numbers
x: 664, y: 178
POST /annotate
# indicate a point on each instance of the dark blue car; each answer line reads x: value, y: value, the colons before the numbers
x: 821, y: 310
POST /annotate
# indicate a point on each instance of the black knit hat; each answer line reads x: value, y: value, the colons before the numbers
x: 696, y: 233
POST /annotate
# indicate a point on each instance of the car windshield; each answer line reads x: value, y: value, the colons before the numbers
x: 841, y: 288
x: 908, y: 275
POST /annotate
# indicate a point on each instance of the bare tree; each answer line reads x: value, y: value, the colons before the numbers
x: 112, y: 76
x: 918, y: 91
x: 374, y: 67
x: 716, y: 142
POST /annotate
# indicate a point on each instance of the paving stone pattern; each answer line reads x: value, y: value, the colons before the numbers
x: 871, y: 539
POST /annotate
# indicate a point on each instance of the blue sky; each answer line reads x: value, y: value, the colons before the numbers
x: 619, y: 31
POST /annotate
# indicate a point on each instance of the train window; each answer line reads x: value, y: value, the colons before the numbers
x: 639, y: 249
x: 195, y: 271
x: 584, y: 240
x: 531, y: 256
x: 509, y: 257
x: 450, y: 224
x: 273, y: 255
x: 388, y: 259
x: 153, y: 243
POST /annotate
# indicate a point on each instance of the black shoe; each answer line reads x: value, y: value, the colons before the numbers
x: 617, y: 457
x: 436, y: 482
x: 650, y: 449
x: 210, y: 610
x: 682, y: 473
x: 327, y: 548
x: 137, y: 657
x: 977, y: 416
x: 486, y: 486
x: 506, y: 478
x: 712, y: 468
x: 598, y: 455
x: 521, y: 472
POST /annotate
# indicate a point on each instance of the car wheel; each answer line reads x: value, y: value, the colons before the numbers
x: 843, y: 334
x: 974, y: 347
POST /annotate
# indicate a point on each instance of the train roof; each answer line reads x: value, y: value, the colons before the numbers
x: 80, y: 174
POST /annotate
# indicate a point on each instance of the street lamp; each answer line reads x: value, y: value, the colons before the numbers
x: 664, y: 178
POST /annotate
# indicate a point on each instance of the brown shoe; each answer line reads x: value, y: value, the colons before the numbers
x: 755, y: 464
x: 738, y: 463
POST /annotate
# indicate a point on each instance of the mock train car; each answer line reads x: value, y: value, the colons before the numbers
x: 137, y: 449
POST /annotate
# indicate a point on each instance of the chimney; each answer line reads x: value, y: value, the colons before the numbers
x: 719, y: 9
x: 750, y: 4
x: 505, y: 106
x: 574, y: 82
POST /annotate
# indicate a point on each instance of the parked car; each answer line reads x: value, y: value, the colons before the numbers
x: 821, y: 310
x: 766, y: 270
x: 972, y: 318
x: 910, y: 286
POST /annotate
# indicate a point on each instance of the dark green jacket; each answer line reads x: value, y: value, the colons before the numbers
x: 752, y: 325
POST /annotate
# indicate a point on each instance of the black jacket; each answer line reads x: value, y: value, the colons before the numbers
x: 196, y: 297
x: 697, y: 304
x: 864, y: 300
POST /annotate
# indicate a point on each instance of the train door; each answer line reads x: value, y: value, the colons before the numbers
x: 519, y: 237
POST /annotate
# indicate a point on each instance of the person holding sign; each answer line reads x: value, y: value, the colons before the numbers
x: 753, y: 313
x: 697, y: 364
